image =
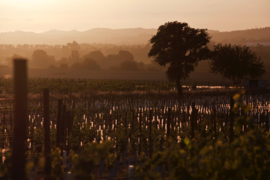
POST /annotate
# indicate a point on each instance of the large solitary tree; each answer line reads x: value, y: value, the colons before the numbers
x: 181, y: 47
x: 236, y: 63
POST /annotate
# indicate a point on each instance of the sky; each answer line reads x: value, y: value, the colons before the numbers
x: 82, y: 15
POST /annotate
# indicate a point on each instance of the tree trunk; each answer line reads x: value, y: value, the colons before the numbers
x: 179, y: 88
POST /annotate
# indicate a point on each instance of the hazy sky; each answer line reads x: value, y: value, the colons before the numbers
x: 43, y: 15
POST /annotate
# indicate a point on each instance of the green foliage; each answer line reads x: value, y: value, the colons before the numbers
x: 209, y: 155
x: 121, y: 138
x: 110, y: 161
x: 247, y: 157
x: 53, y: 138
x: 83, y: 167
x: 84, y: 164
x: 29, y: 166
x: 57, y: 161
x: 38, y: 138
x: 205, y: 157
x: 75, y: 136
x: 88, y: 134
x: 5, y: 168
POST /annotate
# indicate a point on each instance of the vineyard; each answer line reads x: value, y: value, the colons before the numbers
x: 89, y: 88
x: 109, y: 129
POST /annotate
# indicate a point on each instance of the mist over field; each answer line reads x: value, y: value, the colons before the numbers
x: 112, y: 50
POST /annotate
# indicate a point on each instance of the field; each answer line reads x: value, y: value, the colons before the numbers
x: 106, y: 74
x: 106, y: 129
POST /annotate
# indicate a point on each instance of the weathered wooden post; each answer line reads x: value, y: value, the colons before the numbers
x: 267, y: 122
x: 214, y: 121
x: 69, y: 125
x: 10, y: 117
x: 47, y: 153
x: 150, y: 134
x: 58, y: 124
x: 63, y: 129
x: 21, y: 120
x: 125, y: 123
x: 231, y: 120
x: 184, y: 119
x: 188, y: 113
x: 226, y: 121
x: 140, y: 129
x: 133, y: 120
x: 192, y: 121
x: 172, y: 120
x: 3, y: 130
x: 169, y: 123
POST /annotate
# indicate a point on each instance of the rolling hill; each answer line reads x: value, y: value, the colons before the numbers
x: 122, y: 36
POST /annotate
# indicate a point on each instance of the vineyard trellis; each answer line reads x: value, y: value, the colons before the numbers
x: 86, y: 137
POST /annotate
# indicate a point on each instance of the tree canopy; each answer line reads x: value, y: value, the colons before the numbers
x: 236, y: 62
x: 181, y: 47
x: 42, y: 59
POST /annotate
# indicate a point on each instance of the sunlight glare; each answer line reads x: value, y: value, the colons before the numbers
x: 29, y: 3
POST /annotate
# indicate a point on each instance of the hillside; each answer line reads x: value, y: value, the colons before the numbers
x: 97, y: 35
x: 260, y: 35
x: 124, y: 36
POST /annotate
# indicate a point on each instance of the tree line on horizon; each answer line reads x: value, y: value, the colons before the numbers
x: 61, y: 53
x: 94, y: 60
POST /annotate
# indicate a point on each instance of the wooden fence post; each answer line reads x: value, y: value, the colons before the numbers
x: 192, y: 121
x: 21, y: 120
x: 140, y: 129
x: 169, y: 123
x: 58, y: 124
x: 47, y: 153
x: 125, y: 123
x: 150, y: 134
x: 69, y: 126
x: 267, y: 122
x: 214, y: 121
x: 133, y: 119
x: 231, y: 120
x: 63, y: 129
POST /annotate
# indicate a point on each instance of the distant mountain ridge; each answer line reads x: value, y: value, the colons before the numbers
x: 119, y: 36
x: 248, y: 35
